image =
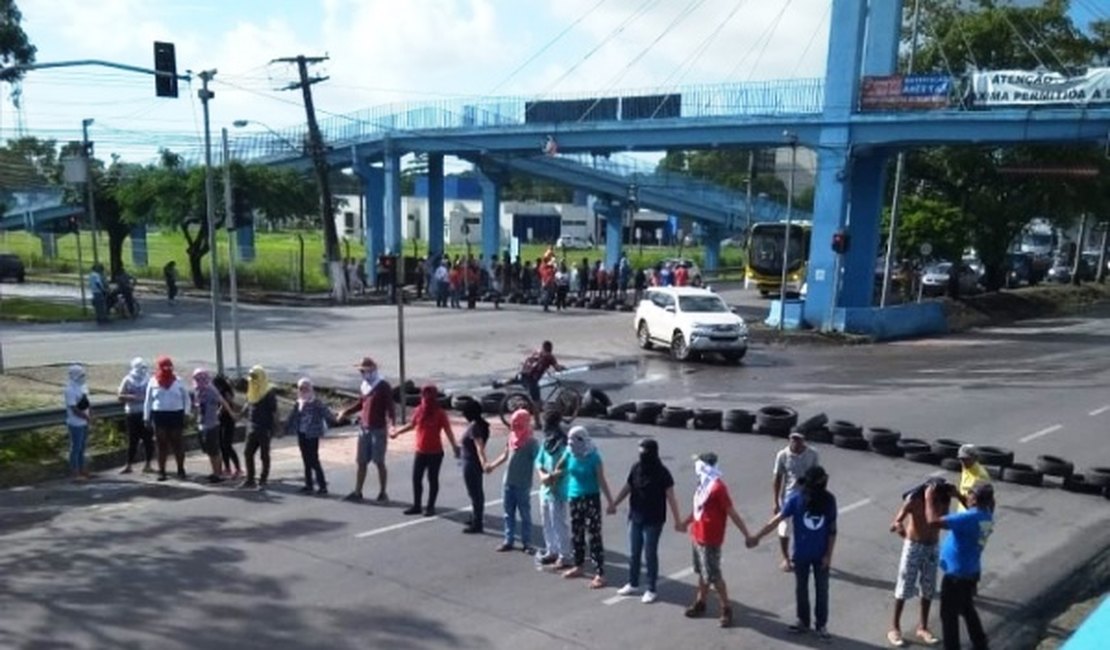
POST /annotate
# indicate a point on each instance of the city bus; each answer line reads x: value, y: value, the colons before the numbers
x: 763, y: 267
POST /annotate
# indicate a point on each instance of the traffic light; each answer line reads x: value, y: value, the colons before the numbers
x: 241, y: 216
x: 840, y: 242
x: 165, y: 64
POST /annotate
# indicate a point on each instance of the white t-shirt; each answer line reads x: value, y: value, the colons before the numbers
x: 73, y: 394
x: 793, y: 466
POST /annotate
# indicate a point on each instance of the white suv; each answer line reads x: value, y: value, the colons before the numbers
x: 690, y: 321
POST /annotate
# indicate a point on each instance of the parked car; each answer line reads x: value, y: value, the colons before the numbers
x: 935, y: 278
x: 573, y: 243
x: 689, y: 321
x: 11, y: 267
x: 1060, y: 272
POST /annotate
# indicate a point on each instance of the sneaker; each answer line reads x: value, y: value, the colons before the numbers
x: 215, y: 478
x: 162, y: 477
x: 248, y: 484
x: 505, y: 546
x: 306, y: 490
x: 696, y: 609
x: 649, y: 597
x: 628, y: 590
x: 126, y: 470
x: 353, y: 497
x: 797, y: 628
x: 414, y: 510
x: 547, y: 559
x: 472, y: 530
x: 726, y: 617
x: 528, y: 550
x: 181, y: 475
x: 429, y: 512
x: 823, y: 634
x: 382, y: 498
x: 262, y: 485
x: 323, y: 492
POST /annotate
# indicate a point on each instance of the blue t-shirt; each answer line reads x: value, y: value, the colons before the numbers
x: 519, y: 471
x: 582, y: 475
x: 548, y: 461
x: 811, y: 530
x: 962, y: 547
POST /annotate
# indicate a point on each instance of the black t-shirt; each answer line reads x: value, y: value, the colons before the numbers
x: 474, y: 431
x: 648, y: 495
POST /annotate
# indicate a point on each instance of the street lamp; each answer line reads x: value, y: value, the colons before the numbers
x: 243, y: 123
x: 791, y: 139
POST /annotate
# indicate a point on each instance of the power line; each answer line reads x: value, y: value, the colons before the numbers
x: 812, y: 39
x: 689, y: 62
x: 1005, y: 16
x: 774, y: 29
x: 755, y: 43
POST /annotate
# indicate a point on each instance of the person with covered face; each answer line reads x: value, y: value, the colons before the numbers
x: 473, y: 458
x: 132, y: 393
x: 708, y: 522
x: 553, y: 493
x: 813, y: 509
x: 431, y: 423
x: 165, y: 407
x: 650, y: 487
x: 310, y: 420
x: 585, y: 484
x: 78, y: 419
x: 520, y: 453
x: 376, y: 414
x: 261, y: 413
x: 208, y: 403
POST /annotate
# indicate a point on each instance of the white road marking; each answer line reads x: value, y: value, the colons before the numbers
x: 1100, y: 410
x: 939, y: 472
x: 426, y: 520
x: 1043, y: 432
x: 689, y: 571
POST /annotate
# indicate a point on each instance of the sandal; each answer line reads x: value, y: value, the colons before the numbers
x: 696, y: 609
x: 926, y: 637
x: 726, y: 617
x: 894, y: 637
x: 572, y: 572
x: 597, y: 583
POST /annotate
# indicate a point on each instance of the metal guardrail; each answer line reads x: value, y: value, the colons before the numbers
x: 39, y: 418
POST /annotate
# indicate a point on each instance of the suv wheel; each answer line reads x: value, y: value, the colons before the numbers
x: 644, y: 335
x: 680, y: 350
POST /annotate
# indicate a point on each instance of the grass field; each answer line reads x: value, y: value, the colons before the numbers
x: 30, y: 310
x: 277, y: 262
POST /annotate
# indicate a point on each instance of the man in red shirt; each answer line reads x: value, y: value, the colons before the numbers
x: 681, y: 276
x: 712, y: 510
x: 375, y: 407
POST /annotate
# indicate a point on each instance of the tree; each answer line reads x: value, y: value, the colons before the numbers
x: 15, y: 47
x: 725, y: 167
x: 995, y: 204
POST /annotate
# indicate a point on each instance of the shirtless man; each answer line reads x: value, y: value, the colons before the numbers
x: 918, y: 566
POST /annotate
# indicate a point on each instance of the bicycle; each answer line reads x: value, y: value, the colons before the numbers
x: 557, y: 393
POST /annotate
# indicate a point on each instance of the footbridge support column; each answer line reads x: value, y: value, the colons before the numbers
x: 392, y: 171
x: 712, y: 241
x: 613, y: 213
x: 373, y: 191
x: 435, y: 204
x: 490, y: 182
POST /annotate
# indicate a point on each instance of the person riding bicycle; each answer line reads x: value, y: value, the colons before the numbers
x: 125, y: 289
x: 534, y: 368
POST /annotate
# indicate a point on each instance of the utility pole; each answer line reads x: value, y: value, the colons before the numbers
x: 209, y: 199
x: 87, y: 149
x: 320, y: 164
x: 232, y: 243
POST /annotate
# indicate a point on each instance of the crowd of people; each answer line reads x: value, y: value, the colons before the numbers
x: 572, y: 480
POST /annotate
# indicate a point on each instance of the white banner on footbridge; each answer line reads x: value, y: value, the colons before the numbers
x: 1025, y: 88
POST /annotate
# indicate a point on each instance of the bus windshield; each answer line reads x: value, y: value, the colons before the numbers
x: 766, y: 246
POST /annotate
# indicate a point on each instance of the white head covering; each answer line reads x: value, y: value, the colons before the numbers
x: 707, y: 475
x: 76, y: 374
x: 140, y: 372
x: 579, y: 442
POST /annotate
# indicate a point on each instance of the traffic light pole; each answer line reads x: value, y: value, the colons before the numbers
x: 232, y: 243
x: 85, y: 123
x: 209, y: 199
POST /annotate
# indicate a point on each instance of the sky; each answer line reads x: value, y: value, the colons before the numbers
x: 388, y: 51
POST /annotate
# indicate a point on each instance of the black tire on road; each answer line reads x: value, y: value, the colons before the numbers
x: 510, y: 403
x: 845, y: 428
x: 926, y: 457
x: 882, y: 436
x: 738, y: 421
x: 946, y: 447
x: 646, y: 412
x: 707, y: 419
x: 995, y: 456
x: 820, y: 435
x: 620, y: 411
x: 674, y: 416
x: 1023, y: 474
x: 1055, y: 466
x: 893, y: 451
x: 812, y: 423
x: 854, y: 443
x: 776, y: 418
x: 1099, y: 476
x: 914, y: 446
x: 951, y: 464
x: 1079, y: 484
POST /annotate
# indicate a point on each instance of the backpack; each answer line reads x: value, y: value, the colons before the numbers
x: 531, y: 367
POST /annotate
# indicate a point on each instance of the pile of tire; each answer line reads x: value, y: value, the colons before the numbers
x: 674, y: 416
x: 847, y: 435
x: 815, y: 428
x: 738, y: 421
x: 646, y: 412
x: 595, y: 404
x: 884, y: 441
x: 707, y: 419
x: 918, y: 451
x: 1095, y: 481
x: 620, y: 410
x: 776, y: 421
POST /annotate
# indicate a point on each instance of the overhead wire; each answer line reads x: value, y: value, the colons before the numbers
x: 812, y: 39
x: 963, y: 35
x: 689, y: 61
x: 1064, y: 68
x: 756, y: 42
x: 774, y: 29
x: 1005, y: 17
x: 944, y: 57
x: 566, y: 30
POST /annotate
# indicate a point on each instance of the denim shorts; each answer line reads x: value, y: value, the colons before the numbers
x: 210, y: 441
x: 371, y: 446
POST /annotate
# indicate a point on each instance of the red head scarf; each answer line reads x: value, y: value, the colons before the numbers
x: 163, y: 373
x: 429, y: 402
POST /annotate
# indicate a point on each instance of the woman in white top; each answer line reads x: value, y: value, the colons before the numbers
x: 132, y: 392
x: 77, y: 419
x: 167, y: 403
